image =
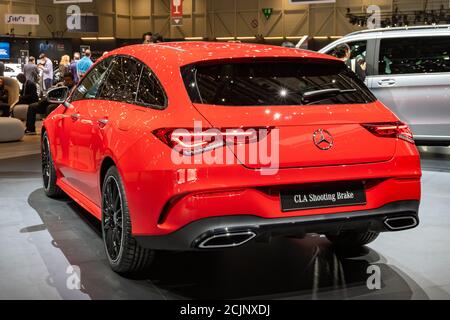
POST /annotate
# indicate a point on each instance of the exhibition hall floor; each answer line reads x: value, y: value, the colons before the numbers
x: 43, y: 241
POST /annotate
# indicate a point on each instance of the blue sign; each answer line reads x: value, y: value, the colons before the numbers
x: 5, y: 51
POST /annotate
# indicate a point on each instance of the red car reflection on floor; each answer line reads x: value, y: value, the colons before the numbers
x: 197, y: 146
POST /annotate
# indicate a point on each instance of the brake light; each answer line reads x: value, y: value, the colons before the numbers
x: 398, y: 130
x: 190, y: 142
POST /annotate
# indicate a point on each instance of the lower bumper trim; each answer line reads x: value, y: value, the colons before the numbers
x: 192, y: 235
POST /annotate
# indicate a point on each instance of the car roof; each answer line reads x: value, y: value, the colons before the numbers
x: 426, y: 29
x: 396, y: 32
x: 184, y: 53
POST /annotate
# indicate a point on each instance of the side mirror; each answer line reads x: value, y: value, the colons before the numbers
x: 58, y: 95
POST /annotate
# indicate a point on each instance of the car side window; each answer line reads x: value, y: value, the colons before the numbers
x: 91, y: 83
x: 150, y: 91
x: 414, y: 55
x: 122, y: 82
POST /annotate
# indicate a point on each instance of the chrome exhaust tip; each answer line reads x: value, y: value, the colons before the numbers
x: 401, y: 223
x: 227, y: 240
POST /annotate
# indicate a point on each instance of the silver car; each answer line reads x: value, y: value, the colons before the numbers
x: 408, y: 69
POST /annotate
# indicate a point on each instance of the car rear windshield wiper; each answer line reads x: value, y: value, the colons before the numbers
x: 310, y: 97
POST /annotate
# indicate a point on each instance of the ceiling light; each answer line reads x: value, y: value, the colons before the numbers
x: 97, y: 38
x: 225, y: 38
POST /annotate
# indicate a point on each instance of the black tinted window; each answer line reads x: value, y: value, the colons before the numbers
x: 122, y: 81
x: 91, y: 83
x: 150, y: 91
x: 414, y: 55
x: 271, y: 83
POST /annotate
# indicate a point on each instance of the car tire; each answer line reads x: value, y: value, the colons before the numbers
x: 125, y: 255
x: 48, y: 170
x: 352, y: 239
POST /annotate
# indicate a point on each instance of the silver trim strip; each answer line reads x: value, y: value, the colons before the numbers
x: 405, y: 28
x: 431, y: 137
x: 412, y: 225
x: 250, y: 235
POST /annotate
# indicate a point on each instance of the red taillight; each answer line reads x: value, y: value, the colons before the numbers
x: 190, y: 141
x: 391, y: 130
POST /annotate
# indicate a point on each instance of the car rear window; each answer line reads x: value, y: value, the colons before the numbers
x: 269, y: 83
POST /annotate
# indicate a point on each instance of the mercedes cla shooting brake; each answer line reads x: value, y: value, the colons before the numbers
x: 208, y: 146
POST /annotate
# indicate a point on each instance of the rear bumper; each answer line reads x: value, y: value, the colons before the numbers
x: 193, y: 235
x: 169, y: 198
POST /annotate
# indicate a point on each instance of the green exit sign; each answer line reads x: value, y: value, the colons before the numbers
x: 267, y: 12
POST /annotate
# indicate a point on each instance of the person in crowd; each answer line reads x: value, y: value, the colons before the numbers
x: 157, y: 38
x: 357, y: 65
x: 44, y: 107
x: 28, y: 94
x: 4, y: 99
x: 288, y: 44
x: 84, y: 64
x: 31, y: 70
x: 64, y: 64
x: 73, y: 66
x: 2, y: 69
x: 147, y: 38
x: 47, y: 66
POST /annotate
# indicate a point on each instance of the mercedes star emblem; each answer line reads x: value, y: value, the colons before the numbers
x: 323, y: 139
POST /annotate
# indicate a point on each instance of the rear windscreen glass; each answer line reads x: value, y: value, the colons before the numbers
x: 272, y: 83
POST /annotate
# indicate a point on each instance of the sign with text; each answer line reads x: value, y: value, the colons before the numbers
x: 24, y: 54
x: 176, y: 12
x: 83, y: 23
x: 28, y: 19
x: 5, y: 50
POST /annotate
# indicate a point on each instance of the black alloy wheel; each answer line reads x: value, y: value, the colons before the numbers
x: 112, y: 217
x: 45, y: 156
x: 125, y: 255
x: 49, y: 177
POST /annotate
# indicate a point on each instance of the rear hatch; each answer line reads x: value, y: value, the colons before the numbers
x: 322, y: 131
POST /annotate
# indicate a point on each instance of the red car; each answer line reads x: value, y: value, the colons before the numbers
x: 197, y: 146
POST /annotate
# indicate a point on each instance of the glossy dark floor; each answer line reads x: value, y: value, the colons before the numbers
x: 44, y: 241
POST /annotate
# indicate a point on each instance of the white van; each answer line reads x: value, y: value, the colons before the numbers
x: 408, y: 69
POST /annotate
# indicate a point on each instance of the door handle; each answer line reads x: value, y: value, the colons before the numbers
x: 387, y: 82
x: 75, y: 116
x: 102, y: 122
